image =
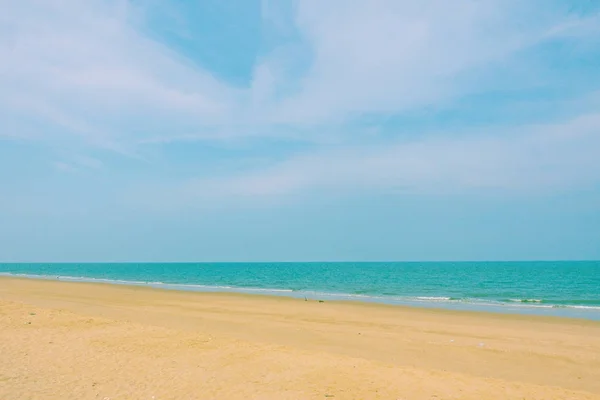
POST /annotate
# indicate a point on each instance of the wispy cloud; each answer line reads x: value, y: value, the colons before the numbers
x: 533, y: 159
x: 386, y: 57
x: 78, y: 164
x: 78, y: 65
x: 83, y: 68
x: 64, y: 167
x: 88, y: 73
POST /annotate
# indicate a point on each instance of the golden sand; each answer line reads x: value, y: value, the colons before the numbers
x: 91, y: 341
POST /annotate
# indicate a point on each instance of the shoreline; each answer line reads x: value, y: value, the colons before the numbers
x: 258, y: 343
x: 264, y: 295
x: 524, y: 307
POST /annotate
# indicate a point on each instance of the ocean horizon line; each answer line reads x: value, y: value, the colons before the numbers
x: 311, y: 262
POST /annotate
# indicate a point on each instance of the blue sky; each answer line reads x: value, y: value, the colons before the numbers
x: 242, y: 130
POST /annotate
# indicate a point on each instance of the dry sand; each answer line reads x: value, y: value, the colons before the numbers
x: 92, y: 341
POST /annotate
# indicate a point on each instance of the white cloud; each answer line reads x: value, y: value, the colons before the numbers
x: 77, y: 65
x: 530, y: 159
x: 388, y: 56
x: 86, y: 68
x: 84, y: 71
x: 78, y: 164
x: 64, y: 167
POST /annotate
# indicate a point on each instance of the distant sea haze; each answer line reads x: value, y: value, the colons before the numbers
x: 561, y: 288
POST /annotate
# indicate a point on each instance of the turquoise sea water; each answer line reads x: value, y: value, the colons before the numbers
x: 569, y: 289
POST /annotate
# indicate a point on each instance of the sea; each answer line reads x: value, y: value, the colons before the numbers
x: 552, y: 288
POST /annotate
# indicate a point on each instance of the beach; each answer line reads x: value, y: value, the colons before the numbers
x: 65, y: 340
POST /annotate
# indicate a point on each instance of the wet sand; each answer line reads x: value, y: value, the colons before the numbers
x: 63, y: 340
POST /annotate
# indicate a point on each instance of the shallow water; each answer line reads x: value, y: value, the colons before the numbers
x: 564, y: 288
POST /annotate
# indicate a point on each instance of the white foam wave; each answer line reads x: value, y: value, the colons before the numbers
x: 526, y: 300
x: 432, y: 298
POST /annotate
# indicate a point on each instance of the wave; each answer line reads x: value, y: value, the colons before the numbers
x: 434, y: 301
x: 433, y: 298
x: 526, y: 300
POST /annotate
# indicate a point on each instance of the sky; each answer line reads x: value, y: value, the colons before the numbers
x: 308, y: 130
